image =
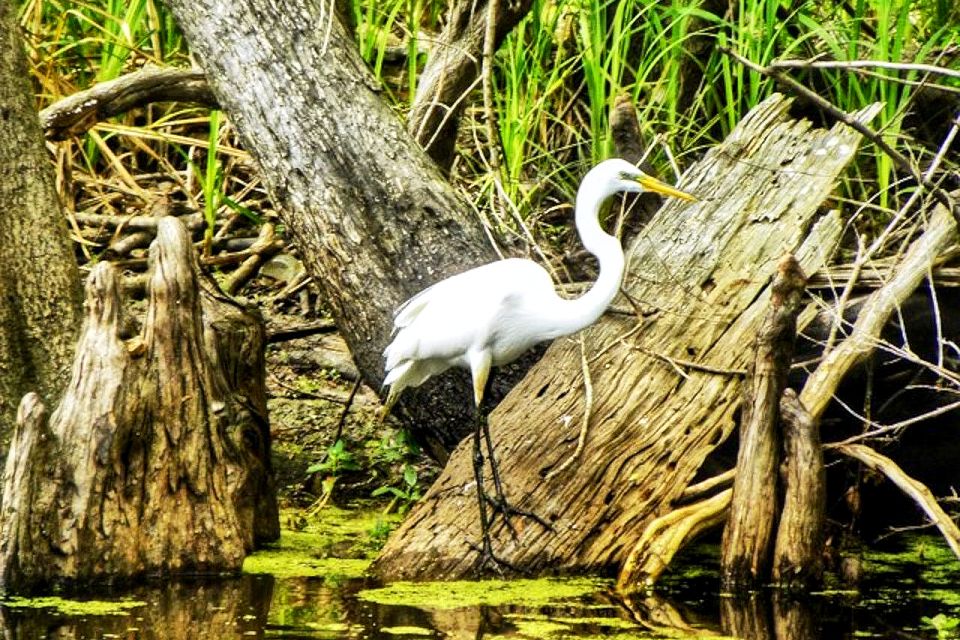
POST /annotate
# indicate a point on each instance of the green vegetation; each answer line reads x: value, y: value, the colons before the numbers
x: 334, y: 543
x: 69, y: 607
x: 556, y: 78
x: 453, y: 595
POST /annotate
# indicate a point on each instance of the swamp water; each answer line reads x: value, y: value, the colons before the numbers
x: 303, y: 589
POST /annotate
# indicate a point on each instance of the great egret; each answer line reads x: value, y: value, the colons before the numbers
x: 490, y: 315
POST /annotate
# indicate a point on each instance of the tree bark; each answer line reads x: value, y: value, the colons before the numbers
x: 374, y: 218
x: 701, y: 274
x: 751, y: 525
x: 40, y: 307
x: 157, y: 460
x: 453, y: 70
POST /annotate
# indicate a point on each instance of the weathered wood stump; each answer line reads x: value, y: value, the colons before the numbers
x: 798, y: 552
x: 157, y: 459
x: 700, y: 273
x: 755, y: 506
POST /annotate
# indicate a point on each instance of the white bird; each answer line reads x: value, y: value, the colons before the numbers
x: 490, y: 315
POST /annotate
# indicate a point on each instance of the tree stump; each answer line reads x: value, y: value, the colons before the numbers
x: 751, y: 525
x: 156, y: 461
x: 700, y: 273
x: 798, y: 552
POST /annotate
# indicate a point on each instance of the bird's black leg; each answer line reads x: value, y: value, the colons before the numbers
x: 485, y: 549
x: 500, y: 503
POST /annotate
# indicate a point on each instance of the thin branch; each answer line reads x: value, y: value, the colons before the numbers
x: 898, y: 158
x: 913, y: 488
x: 865, y: 64
x: 678, y: 363
x: 587, y: 412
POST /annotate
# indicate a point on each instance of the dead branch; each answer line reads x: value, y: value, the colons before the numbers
x: 260, y: 251
x: 902, y: 162
x: 865, y: 64
x: 940, y: 233
x: 452, y: 70
x: 913, y: 488
x: 76, y: 114
x: 192, y: 221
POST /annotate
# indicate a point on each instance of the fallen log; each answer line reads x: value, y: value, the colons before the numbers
x: 157, y: 459
x: 702, y: 276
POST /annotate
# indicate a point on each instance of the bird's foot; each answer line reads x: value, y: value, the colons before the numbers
x: 489, y: 560
x: 501, y: 505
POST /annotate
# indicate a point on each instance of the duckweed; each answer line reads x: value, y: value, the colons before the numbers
x: 75, y: 607
x: 453, y: 595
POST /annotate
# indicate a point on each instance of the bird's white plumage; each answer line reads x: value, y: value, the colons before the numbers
x: 483, y: 308
x: 490, y: 315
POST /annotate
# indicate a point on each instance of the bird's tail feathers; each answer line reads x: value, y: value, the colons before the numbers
x: 394, y: 380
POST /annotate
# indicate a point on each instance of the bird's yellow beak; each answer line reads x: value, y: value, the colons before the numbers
x: 652, y: 184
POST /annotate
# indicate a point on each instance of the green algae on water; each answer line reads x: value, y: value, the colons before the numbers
x: 75, y: 607
x: 316, y: 550
x: 928, y: 557
x: 295, y: 557
x: 407, y: 631
x: 453, y: 595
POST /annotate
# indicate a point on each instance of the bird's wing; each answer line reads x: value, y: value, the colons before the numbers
x: 446, y: 320
x: 490, y: 282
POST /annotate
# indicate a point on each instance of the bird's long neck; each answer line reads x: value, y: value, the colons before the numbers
x: 583, y: 311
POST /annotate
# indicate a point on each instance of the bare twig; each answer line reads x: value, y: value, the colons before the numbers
x: 680, y: 363
x: 865, y: 64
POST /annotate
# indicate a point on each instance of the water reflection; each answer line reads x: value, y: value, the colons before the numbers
x: 900, y: 603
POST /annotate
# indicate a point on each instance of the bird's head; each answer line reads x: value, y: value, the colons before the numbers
x: 611, y: 176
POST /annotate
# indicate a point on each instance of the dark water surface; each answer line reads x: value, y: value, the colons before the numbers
x: 913, y: 591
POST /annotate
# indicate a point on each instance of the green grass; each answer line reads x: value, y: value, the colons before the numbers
x: 555, y: 80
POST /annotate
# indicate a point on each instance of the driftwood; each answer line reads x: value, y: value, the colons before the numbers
x: 700, y: 274
x: 157, y: 459
x: 751, y: 526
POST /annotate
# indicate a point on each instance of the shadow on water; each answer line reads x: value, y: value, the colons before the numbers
x: 912, y: 593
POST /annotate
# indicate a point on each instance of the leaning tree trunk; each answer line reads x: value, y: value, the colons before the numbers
x: 371, y: 213
x: 39, y: 283
x: 663, y: 397
x: 157, y: 460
